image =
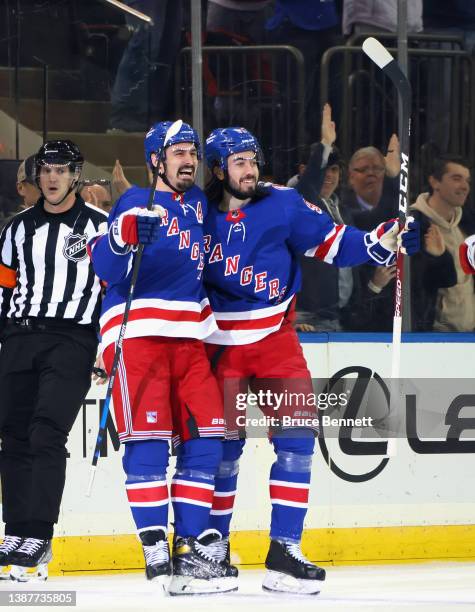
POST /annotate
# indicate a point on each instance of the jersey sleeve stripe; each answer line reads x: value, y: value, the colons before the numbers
x: 327, y: 250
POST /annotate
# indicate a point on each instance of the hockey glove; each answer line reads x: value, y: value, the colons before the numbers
x: 137, y: 225
x: 467, y: 255
x: 409, y: 240
x: 383, y: 241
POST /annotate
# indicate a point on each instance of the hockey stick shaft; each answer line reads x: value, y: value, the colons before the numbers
x: 118, y: 347
x: 381, y: 56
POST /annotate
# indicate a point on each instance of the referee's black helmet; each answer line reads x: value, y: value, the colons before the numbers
x: 60, y: 153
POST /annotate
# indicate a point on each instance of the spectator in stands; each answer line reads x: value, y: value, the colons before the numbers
x: 373, y: 183
x: 246, y: 18
x: 331, y: 299
x: 312, y: 26
x: 325, y: 289
x: 27, y: 193
x: 361, y: 16
x: 443, y: 296
x: 25, y: 183
x: 293, y: 180
x: 97, y: 192
x: 360, y: 299
x: 142, y: 89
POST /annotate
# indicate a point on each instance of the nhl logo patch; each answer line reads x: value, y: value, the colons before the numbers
x: 235, y: 216
x: 75, y: 247
x: 151, y: 417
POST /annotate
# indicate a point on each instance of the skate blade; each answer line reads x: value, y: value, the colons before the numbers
x: 19, y: 573
x: 159, y: 584
x: 5, y: 572
x: 189, y: 585
x: 277, y: 582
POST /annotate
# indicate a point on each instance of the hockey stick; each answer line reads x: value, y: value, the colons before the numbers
x: 382, y: 58
x: 172, y: 130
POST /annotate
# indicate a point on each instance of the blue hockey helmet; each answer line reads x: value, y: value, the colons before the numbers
x: 166, y: 133
x: 223, y: 142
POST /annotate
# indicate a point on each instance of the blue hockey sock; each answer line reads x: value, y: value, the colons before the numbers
x: 145, y: 464
x: 225, y: 486
x: 290, y: 483
x: 193, y: 484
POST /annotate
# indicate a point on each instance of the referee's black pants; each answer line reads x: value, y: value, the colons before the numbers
x: 44, y: 378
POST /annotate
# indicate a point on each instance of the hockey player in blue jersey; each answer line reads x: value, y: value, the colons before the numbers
x: 253, y: 235
x: 165, y: 387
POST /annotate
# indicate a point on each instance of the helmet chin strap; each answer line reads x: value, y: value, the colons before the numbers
x: 71, y: 188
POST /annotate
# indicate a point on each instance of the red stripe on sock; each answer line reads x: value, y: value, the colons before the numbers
x: 289, y: 493
x: 223, y: 503
x: 192, y: 493
x: 149, y: 494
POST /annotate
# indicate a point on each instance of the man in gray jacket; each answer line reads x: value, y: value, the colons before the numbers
x: 370, y: 16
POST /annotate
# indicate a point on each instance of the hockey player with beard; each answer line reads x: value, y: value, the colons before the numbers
x: 254, y: 233
x: 165, y: 381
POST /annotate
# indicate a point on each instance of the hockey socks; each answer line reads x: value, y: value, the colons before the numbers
x: 193, y: 484
x: 145, y: 464
x: 225, y: 487
x: 289, y: 485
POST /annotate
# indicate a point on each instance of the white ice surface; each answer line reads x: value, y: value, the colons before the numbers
x: 436, y: 587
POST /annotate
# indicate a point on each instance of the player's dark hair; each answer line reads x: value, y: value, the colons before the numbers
x: 214, y: 190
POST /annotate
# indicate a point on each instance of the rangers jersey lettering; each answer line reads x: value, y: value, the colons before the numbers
x: 169, y: 299
x: 251, y: 266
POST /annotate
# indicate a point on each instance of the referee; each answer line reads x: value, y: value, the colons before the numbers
x: 50, y: 301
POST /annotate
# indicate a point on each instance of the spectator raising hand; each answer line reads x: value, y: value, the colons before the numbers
x: 119, y: 180
x: 434, y: 242
x: 328, y: 126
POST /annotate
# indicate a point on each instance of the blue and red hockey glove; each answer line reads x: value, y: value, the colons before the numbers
x: 137, y: 225
x: 383, y: 241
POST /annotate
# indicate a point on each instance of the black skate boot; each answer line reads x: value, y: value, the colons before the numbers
x: 7, y: 547
x: 157, y: 555
x: 289, y: 571
x: 216, y: 545
x: 30, y: 560
x: 197, y: 572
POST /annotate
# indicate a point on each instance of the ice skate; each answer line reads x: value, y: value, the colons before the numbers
x: 216, y: 545
x: 30, y: 561
x: 197, y: 572
x: 7, y: 547
x: 157, y: 556
x: 290, y: 572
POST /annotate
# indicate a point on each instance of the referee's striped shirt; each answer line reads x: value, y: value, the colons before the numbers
x: 45, y: 270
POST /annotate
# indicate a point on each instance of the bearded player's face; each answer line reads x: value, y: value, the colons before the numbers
x: 243, y: 172
x: 181, y: 165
